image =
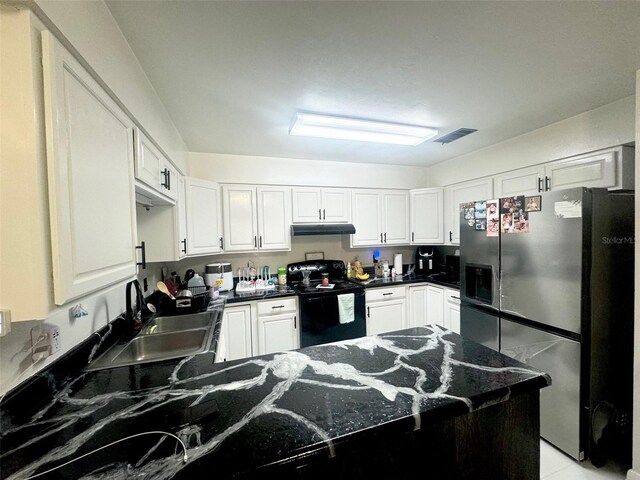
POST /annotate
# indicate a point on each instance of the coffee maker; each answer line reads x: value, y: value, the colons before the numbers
x: 425, y: 261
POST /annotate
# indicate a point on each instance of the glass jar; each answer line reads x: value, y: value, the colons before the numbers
x: 325, y: 279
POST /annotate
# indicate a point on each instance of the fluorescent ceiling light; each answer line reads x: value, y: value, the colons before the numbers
x: 344, y: 128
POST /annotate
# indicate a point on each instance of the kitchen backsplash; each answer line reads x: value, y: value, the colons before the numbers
x: 333, y: 248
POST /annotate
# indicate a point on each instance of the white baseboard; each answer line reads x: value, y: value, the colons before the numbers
x: 633, y: 475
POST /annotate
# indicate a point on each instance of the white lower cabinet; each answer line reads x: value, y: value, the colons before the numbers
x: 235, y: 340
x: 258, y: 328
x: 417, y: 305
x: 386, y: 309
x: 435, y: 305
x: 277, y: 326
x: 442, y: 306
x: 452, y: 310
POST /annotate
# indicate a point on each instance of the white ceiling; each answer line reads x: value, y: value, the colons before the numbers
x: 233, y: 73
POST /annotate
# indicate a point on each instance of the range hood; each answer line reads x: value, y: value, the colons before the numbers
x: 323, y: 229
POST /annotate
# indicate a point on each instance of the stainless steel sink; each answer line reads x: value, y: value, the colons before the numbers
x: 163, y: 345
x: 163, y: 338
x: 177, y: 323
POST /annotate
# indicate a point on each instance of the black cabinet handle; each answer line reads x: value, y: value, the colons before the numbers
x: 368, y: 312
x: 457, y: 298
x: 295, y: 322
x: 539, y: 184
x: 278, y: 306
x: 143, y: 263
x: 385, y: 294
x: 169, y: 179
x: 184, y: 245
x: 324, y: 214
x: 221, y: 243
x: 255, y: 241
x: 319, y: 214
x: 380, y: 238
x: 260, y: 241
x: 547, y: 183
x: 413, y: 236
x: 385, y: 238
x: 165, y: 182
x: 450, y: 236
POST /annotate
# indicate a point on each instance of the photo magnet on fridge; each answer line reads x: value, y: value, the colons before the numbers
x: 481, y: 224
x: 493, y: 218
x: 533, y: 204
x: 480, y: 210
x: 521, y: 222
x: 506, y: 222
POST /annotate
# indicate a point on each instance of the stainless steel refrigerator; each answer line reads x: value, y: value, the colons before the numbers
x: 553, y: 287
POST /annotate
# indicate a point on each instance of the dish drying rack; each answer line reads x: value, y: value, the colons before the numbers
x: 247, y: 281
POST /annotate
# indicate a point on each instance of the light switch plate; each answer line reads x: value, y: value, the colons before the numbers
x: 314, y: 256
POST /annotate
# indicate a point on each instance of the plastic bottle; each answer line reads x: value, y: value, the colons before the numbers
x: 282, y: 276
x: 348, y: 269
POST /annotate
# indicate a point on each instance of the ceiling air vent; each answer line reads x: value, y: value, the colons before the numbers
x: 453, y: 136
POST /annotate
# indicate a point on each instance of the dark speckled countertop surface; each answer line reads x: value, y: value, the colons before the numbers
x: 238, y: 417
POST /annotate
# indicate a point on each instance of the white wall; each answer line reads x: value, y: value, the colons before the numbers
x: 94, y: 33
x: 606, y: 126
x: 287, y: 171
x: 634, y: 473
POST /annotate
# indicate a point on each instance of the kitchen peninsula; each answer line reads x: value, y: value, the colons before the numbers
x: 416, y: 400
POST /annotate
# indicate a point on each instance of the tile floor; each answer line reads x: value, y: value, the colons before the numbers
x: 555, y: 465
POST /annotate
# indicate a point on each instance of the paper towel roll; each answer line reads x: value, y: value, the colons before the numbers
x: 397, y: 263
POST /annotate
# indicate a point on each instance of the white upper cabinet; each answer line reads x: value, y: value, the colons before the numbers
x: 611, y: 168
x: 320, y: 205
x: 481, y: 189
x: 156, y: 177
x: 204, y: 230
x: 524, y: 181
x: 426, y: 207
x: 256, y: 218
x: 89, y: 142
x: 380, y: 217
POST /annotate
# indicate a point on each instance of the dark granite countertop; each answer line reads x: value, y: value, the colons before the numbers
x: 238, y: 417
x: 408, y: 280
x: 232, y: 296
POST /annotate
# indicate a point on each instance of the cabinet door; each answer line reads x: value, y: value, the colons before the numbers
x: 236, y: 325
x: 169, y: 179
x: 524, y: 181
x: 452, y: 310
x: 597, y: 170
x: 461, y: 193
x: 181, y: 216
x: 274, y: 218
x: 386, y: 316
x: 435, y: 305
x: 307, y: 205
x: 277, y: 333
x: 89, y: 143
x: 240, y: 218
x: 367, y: 214
x: 427, y: 213
x: 395, y: 208
x: 417, y: 306
x: 335, y: 205
x: 149, y: 161
x: 203, y: 217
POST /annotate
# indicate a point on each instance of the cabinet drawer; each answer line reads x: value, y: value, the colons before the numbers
x: 452, y: 295
x: 391, y: 293
x: 276, y: 307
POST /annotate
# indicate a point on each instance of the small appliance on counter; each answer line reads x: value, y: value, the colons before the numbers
x: 215, y: 271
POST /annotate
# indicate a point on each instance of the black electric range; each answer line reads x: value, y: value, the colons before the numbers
x: 327, y: 313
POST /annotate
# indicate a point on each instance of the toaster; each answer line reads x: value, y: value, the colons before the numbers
x: 215, y: 271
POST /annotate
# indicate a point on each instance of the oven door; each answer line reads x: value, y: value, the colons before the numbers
x: 320, y: 318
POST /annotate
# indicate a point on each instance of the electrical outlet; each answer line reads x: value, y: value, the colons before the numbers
x: 53, y: 334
